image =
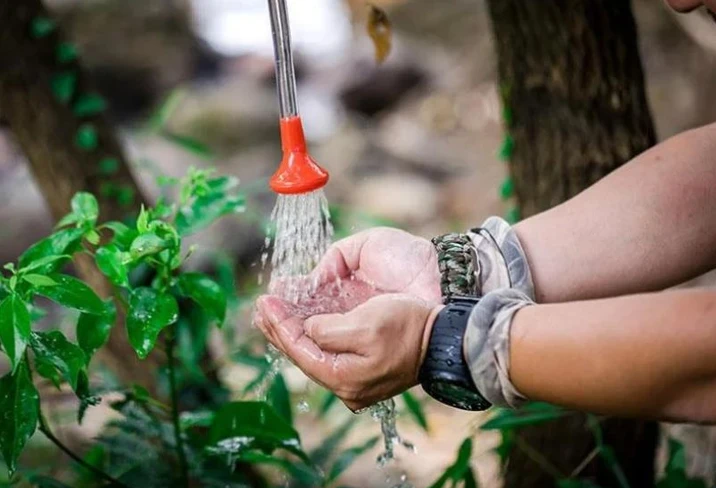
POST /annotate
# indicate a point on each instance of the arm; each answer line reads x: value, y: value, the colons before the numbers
x: 647, y: 355
x: 647, y: 226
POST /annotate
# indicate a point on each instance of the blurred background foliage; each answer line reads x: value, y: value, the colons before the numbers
x: 413, y: 143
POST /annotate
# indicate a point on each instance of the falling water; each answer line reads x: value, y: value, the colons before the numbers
x: 384, y: 412
x: 302, y: 233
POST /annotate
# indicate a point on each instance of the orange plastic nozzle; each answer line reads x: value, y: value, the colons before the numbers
x: 298, y: 172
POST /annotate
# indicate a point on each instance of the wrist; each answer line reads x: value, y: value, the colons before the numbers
x: 427, y: 332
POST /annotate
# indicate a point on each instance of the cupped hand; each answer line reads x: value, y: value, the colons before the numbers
x: 390, y: 260
x: 365, y: 355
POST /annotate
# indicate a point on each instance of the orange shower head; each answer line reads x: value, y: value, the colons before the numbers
x: 298, y: 172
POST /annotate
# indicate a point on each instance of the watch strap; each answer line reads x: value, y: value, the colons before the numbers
x: 458, y: 264
x: 444, y: 366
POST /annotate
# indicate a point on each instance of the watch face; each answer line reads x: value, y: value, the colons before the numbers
x: 458, y: 396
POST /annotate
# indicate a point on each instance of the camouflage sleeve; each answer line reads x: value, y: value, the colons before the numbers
x: 502, y: 261
x: 487, y: 346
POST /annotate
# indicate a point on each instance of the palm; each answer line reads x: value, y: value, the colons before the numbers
x: 391, y: 260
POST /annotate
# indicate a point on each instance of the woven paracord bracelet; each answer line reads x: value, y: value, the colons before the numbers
x: 456, y: 261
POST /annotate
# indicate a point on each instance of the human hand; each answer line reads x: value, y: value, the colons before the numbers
x: 390, y: 260
x: 365, y: 355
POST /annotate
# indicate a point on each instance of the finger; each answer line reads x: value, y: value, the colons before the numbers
x: 338, y: 333
x: 342, y: 259
x: 287, y: 331
x: 268, y: 309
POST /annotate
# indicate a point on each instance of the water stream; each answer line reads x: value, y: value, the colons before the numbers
x: 302, y: 233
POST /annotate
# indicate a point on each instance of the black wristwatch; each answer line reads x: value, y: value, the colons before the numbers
x: 444, y: 374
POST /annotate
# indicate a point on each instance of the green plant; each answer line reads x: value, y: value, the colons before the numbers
x: 152, y: 444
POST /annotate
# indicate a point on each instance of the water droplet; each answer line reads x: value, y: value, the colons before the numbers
x: 303, y: 406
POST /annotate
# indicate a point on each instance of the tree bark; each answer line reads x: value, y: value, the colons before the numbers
x: 46, y: 128
x: 576, y: 109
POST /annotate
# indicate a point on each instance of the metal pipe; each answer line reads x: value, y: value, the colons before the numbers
x: 285, y: 71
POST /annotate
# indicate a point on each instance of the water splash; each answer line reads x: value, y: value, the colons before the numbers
x: 231, y: 448
x: 385, y: 413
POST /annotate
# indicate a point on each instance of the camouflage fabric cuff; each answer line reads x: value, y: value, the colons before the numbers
x: 487, y: 346
x: 502, y: 261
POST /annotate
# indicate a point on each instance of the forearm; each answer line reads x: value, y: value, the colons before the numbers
x: 646, y: 355
x: 645, y: 227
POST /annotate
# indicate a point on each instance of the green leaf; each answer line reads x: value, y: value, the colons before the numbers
x: 280, y: 399
x: 507, y: 189
x: 505, y: 447
x: 470, y: 479
x: 203, y: 211
x: 63, y: 85
x: 147, y: 244
x: 162, y: 115
x: 111, y: 261
x: 108, y: 166
x: 513, y: 215
x: 458, y: 470
x: 189, y: 144
x: 330, y: 444
x: 677, y: 456
x: 57, y: 358
x: 87, y: 138
x: 415, y: 410
x: 66, y: 52
x: 206, y: 293
x: 125, y: 195
x: 255, y: 423
x: 14, y: 328
x: 85, y: 207
x: 507, y: 116
x: 39, y: 280
x: 347, y: 457
x: 43, y: 263
x: 149, y: 312
x: 532, y: 414
x: 329, y: 400
x: 42, y: 27
x: 92, y: 237
x: 19, y: 411
x: 55, y: 247
x: 506, y: 149
x: 123, y: 235
x: 93, y: 329
x: 72, y: 293
x: 88, y: 105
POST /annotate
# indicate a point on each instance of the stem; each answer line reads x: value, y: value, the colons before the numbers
x: 47, y: 432
x: 585, y: 462
x: 535, y: 455
x: 45, y: 429
x: 183, y: 465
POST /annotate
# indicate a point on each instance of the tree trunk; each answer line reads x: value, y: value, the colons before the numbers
x: 576, y: 109
x: 40, y: 85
